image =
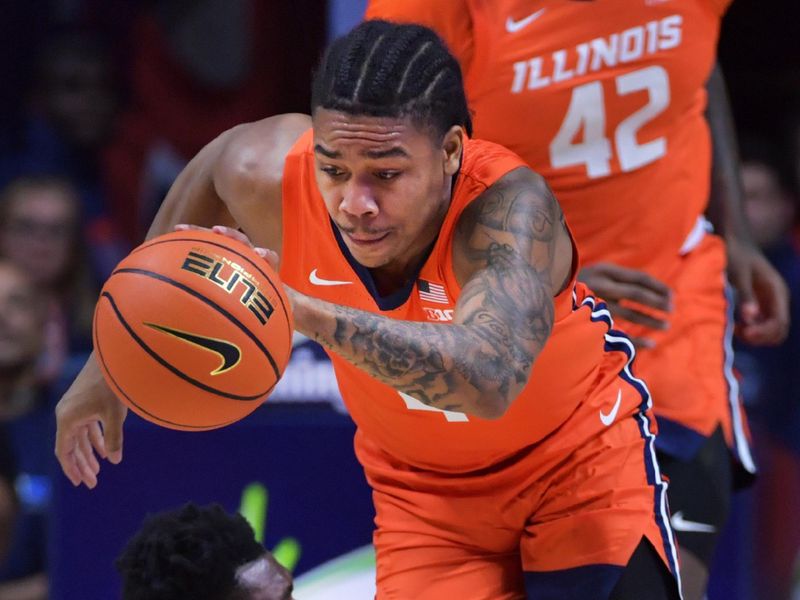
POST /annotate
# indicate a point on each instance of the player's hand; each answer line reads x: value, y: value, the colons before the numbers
x: 89, y: 419
x: 762, y: 296
x: 617, y: 284
x: 269, y: 255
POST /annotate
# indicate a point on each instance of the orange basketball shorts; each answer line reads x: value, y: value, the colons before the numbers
x: 690, y: 370
x: 583, y: 496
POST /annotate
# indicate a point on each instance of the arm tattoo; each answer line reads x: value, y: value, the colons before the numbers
x: 503, y: 317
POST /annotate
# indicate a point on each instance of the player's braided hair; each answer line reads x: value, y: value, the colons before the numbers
x: 191, y: 552
x: 384, y: 69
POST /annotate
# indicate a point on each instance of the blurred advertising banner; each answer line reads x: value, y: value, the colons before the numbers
x: 309, y: 377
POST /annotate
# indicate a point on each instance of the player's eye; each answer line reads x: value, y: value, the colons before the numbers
x: 333, y: 172
x: 387, y: 175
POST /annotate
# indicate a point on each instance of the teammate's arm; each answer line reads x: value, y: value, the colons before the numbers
x: 763, y: 297
x: 504, y: 252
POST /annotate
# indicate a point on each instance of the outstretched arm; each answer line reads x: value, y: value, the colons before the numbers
x: 762, y: 296
x: 505, y: 252
x: 244, y: 164
x: 89, y: 416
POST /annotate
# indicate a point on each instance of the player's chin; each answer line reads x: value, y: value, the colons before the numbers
x: 371, y: 254
x: 370, y: 261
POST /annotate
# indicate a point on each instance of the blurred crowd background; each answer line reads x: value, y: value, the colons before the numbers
x: 102, y: 103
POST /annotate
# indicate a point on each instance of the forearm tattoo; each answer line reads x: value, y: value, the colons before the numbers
x: 504, y: 314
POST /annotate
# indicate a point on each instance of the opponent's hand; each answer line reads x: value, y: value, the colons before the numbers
x: 89, y: 419
x: 762, y: 296
x: 269, y: 255
x: 616, y: 284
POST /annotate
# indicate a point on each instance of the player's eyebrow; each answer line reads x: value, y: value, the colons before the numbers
x: 389, y: 152
x: 393, y: 151
x: 325, y: 152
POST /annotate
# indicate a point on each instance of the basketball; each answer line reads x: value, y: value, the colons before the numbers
x: 193, y: 330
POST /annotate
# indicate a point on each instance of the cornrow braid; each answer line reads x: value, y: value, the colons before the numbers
x: 384, y: 69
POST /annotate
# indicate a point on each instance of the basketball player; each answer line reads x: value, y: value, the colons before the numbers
x: 202, y: 553
x: 508, y: 444
x: 606, y: 101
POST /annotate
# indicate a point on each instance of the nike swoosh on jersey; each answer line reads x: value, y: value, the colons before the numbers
x: 679, y: 523
x: 227, y: 351
x: 513, y: 26
x: 316, y: 280
x: 608, y: 419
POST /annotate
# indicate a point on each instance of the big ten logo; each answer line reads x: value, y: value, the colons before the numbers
x: 439, y: 314
x: 231, y: 276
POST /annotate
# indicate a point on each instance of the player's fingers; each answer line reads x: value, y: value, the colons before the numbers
x: 189, y: 227
x: 96, y: 439
x: 64, y: 450
x: 614, y: 283
x: 764, y: 333
x: 70, y: 467
x: 232, y: 233
x: 635, y: 316
x: 88, y: 452
x: 773, y: 295
x: 112, y: 432
x: 634, y: 276
x: 643, y: 342
x: 269, y: 255
x: 88, y: 476
x: 644, y: 296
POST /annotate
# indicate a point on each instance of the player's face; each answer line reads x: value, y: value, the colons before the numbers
x: 80, y: 98
x: 20, y: 319
x: 768, y: 210
x: 386, y: 184
x: 263, y: 579
x: 39, y: 233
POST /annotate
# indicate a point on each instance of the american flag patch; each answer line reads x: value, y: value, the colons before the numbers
x: 432, y: 292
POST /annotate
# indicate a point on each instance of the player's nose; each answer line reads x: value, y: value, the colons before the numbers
x: 358, y: 200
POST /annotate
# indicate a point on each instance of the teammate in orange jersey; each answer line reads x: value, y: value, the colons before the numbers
x: 509, y: 446
x: 606, y: 101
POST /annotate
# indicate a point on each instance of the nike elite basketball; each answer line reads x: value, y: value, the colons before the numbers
x: 193, y: 330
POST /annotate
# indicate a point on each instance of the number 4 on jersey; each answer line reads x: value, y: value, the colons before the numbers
x: 587, y: 112
x: 414, y: 404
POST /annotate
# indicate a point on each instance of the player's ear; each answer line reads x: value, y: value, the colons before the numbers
x: 452, y: 146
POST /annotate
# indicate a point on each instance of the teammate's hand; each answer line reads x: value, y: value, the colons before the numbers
x: 762, y: 296
x: 616, y: 284
x: 269, y: 255
x: 89, y: 419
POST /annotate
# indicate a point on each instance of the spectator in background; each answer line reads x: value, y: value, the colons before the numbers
x: 791, y: 128
x: 26, y: 417
x: 197, y: 69
x: 70, y: 120
x: 202, y: 553
x: 21, y: 29
x: 771, y: 379
x: 8, y: 474
x: 771, y: 212
x: 40, y: 232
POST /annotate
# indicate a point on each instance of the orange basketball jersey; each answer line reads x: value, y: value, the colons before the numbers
x: 603, y: 98
x: 572, y: 365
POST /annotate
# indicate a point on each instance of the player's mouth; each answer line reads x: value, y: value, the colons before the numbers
x: 364, y: 240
